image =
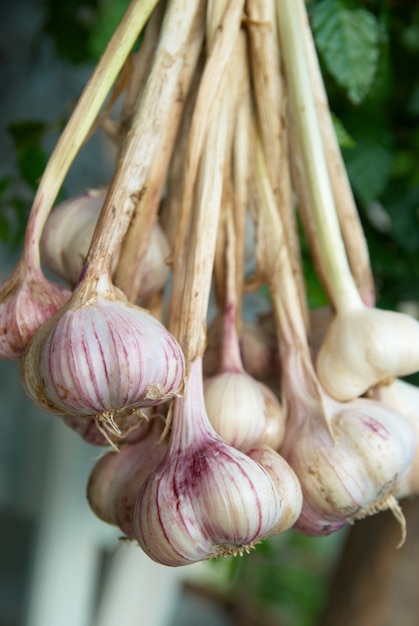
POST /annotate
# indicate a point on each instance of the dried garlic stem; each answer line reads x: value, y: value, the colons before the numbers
x: 216, y: 63
x: 271, y: 104
x: 172, y: 203
x: 238, y: 88
x: 149, y: 126
x: 81, y: 120
x: 339, y: 280
x: 200, y: 253
x: 129, y: 273
x: 350, y: 224
x: 279, y: 269
x: 141, y: 64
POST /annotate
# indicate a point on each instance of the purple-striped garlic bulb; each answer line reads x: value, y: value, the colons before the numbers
x: 27, y: 300
x: 243, y: 411
x: 208, y: 499
x: 68, y: 233
x: 101, y: 357
x: 348, y: 457
x: 117, y: 478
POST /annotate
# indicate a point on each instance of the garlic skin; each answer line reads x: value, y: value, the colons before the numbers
x: 68, y: 233
x: 117, y: 478
x: 364, y: 347
x: 27, y: 300
x: 351, y: 471
x: 404, y: 398
x: 102, y: 358
x: 244, y: 412
x: 208, y: 499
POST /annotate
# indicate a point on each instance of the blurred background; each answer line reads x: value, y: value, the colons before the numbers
x: 61, y: 566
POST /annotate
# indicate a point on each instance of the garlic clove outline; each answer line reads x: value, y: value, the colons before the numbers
x: 207, y: 499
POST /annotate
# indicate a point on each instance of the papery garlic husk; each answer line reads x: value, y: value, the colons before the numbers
x: 404, y: 398
x: 27, y: 300
x: 117, y: 478
x: 350, y: 470
x: 208, y: 499
x: 243, y: 411
x: 68, y: 233
x: 364, y: 347
x: 102, y: 358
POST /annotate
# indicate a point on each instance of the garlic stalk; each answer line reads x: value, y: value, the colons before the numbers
x: 347, y: 456
x: 27, y: 289
x: 130, y: 275
x: 363, y: 346
x: 207, y: 499
x: 349, y: 221
x: 184, y: 320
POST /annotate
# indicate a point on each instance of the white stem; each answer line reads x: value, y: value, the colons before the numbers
x: 341, y: 285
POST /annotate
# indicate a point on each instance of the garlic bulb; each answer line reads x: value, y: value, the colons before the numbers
x: 68, y: 233
x: 101, y: 357
x: 404, y: 398
x: 243, y: 411
x: 350, y: 469
x: 364, y: 347
x: 117, y: 478
x: 207, y: 499
x: 27, y: 300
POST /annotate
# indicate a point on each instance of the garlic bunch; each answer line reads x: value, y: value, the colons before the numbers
x: 117, y: 478
x: 101, y: 357
x: 68, y: 233
x: 348, y: 456
x: 207, y: 499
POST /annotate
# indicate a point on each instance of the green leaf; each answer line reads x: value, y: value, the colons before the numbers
x: 31, y: 157
x: 348, y: 41
x: 344, y: 138
x: 368, y: 164
x: 109, y: 16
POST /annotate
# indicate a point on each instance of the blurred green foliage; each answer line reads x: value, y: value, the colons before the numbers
x: 369, y: 53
